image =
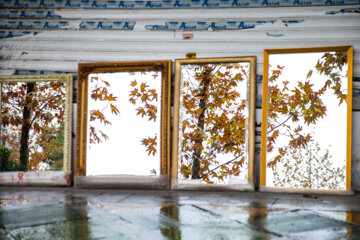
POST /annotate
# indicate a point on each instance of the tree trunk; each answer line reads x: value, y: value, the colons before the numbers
x: 195, y: 174
x: 26, y: 126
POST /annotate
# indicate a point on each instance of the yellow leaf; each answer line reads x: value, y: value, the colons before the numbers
x: 309, y: 74
x: 133, y: 83
x: 143, y: 86
x: 114, y: 109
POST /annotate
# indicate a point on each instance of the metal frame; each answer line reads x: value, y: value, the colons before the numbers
x: 81, y: 180
x: 251, y: 139
x: 46, y: 177
x: 349, y: 50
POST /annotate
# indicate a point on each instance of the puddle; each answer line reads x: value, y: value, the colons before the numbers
x: 353, y: 217
x: 68, y: 230
x: 297, y: 223
x: 305, y: 223
x: 3, y: 237
x: 83, y: 219
x: 32, y: 216
x: 10, y: 202
x: 349, y: 216
x: 190, y: 222
x: 119, y: 207
x: 242, y: 213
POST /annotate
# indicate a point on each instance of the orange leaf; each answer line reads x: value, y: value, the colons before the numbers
x: 143, y: 86
x: 133, y: 83
x: 141, y: 111
x: 114, y: 109
x: 107, y: 83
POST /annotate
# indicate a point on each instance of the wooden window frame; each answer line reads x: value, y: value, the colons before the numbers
x: 266, y: 53
x: 46, y: 178
x: 84, y: 69
x: 250, y: 186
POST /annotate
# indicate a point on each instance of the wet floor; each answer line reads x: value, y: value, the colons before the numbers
x: 59, y: 213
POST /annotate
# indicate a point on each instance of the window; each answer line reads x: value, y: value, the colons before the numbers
x: 306, y: 119
x: 36, y: 129
x: 123, y: 124
x: 214, y: 106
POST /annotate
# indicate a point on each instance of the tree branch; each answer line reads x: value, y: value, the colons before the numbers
x: 42, y: 108
x: 281, y: 123
x: 221, y: 165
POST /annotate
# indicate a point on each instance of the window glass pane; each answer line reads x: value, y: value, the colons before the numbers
x: 214, y: 117
x: 307, y: 120
x: 123, y: 123
x: 35, y: 129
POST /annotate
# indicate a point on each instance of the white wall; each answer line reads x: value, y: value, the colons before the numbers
x: 57, y: 38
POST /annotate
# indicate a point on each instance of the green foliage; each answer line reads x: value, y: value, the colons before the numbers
x: 153, y: 172
x: 51, y: 147
x: 56, y: 151
x: 6, y: 164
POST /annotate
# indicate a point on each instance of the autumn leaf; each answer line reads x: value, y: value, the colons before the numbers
x: 302, y: 102
x: 212, y: 105
x: 143, y: 87
x: 101, y: 91
x: 134, y: 93
x: 107, y: 83
x: 309, y: 74
x: 132, y: 100
x: 145, y: 97
x: 150, y: 144
x: 109, y: 98
x: 140, y: 111
x: 309, y: 168
x: 154, y: 94
x: 114, y: 109
x: 133, y: 83
x: 31, y: 108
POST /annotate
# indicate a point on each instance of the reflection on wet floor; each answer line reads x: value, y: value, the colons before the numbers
x: 147, y: 216
x: 353, y: 217
x: 170, y: 229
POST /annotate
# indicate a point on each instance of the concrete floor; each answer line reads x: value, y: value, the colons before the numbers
x: 67, y: 213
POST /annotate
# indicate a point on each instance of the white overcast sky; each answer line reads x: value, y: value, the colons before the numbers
x: 330, y: 131
x: 123, y: 152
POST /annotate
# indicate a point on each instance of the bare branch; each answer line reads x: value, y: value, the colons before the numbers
x: 212, y: 170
